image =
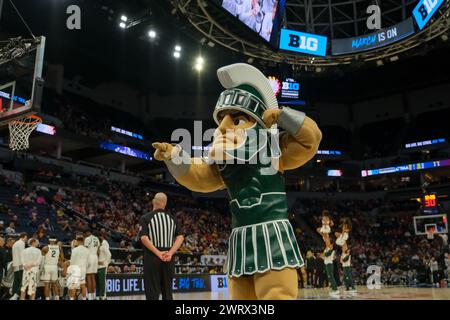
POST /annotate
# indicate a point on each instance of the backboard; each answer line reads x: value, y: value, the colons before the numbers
x: 21, y: 83
x: 436, y: 223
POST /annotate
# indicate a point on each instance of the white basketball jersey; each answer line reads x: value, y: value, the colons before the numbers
x: 51, y: 258
x: 92, y: 243
x: 79, y: 257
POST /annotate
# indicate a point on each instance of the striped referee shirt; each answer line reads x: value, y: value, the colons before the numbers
x: 161, y: 228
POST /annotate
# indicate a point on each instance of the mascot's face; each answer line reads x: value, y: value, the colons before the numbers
x: 231, y: 133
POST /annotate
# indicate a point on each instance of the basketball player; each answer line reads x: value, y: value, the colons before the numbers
x: 62, y: 280
x: 17, y: 250
x: 104, y: 258
x: 76, y: 271
x: 52, y: 256
x: 31, y: 260
x: 93, y: 244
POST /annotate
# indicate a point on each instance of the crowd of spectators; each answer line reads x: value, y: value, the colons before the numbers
x: 382, y: 234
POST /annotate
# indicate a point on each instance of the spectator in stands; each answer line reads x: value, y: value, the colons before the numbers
x: 133, y: 269
x: 40, y: 235
x: 33, y: 223
x: 47, y: 225
x: 11, y: 230
x: 33, y: 212
x: 17, y: 200
x: 2, y: 227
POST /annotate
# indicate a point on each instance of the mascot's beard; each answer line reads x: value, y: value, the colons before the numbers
x: 253, y: 141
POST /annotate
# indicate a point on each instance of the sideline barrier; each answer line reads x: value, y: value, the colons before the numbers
x: 133, y: 284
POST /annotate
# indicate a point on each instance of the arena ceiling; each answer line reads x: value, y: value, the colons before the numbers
x: 102, y: 52
x: 335, y: 19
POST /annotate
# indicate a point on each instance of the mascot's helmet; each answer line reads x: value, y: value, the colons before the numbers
x: 247, y: 90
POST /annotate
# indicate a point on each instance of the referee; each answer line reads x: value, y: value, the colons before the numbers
x: 161, y: 237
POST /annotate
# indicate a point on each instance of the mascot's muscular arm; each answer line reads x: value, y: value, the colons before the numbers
x: 300, y: 141
x: 195, y: 174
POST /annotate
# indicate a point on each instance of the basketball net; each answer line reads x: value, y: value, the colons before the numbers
x: 20, y: 130
x: 430, y: 234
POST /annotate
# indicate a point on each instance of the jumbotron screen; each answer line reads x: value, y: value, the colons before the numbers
x: 259, y: 15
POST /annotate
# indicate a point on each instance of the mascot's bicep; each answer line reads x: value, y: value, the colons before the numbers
x: 298, y: 149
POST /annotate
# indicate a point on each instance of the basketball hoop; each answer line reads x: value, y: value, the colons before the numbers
x: 430, y: 234
x: 20, y: 130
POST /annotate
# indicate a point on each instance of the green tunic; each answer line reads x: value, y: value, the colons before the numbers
x: 262, y: 238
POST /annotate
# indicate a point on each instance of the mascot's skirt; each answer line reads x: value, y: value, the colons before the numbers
x: 261, y: 247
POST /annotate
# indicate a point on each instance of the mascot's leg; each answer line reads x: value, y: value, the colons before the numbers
x: 242, y: 288
x: 277, y: 285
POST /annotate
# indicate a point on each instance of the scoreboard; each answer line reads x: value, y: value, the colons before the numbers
x: 430, y: 204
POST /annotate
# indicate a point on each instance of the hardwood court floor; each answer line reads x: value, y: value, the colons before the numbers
x: 385, y: 293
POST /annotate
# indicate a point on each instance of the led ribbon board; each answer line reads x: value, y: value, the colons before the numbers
x: 125, y: 150
x: 127, y: 133
x: 302, y: 42
x: 407, y: 168
x: 424, y: 143
x: 375, y: 40
x: 45, y: 128
x: 330, y: 152
x: 425, y: 10
x: 15, y: 98
x: 334, y: 173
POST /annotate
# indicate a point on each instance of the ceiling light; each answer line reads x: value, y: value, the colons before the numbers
x: 200, y: 60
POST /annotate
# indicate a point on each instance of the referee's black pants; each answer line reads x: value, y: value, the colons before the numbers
x: 158, y: 277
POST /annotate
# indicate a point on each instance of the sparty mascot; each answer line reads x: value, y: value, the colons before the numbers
x: 248, y: 158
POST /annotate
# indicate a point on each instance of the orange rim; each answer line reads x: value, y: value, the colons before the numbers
x: 35, y: 117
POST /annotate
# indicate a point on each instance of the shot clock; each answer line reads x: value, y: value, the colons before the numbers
x: 430, y: 203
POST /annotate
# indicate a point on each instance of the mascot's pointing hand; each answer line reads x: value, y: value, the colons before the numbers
x: 163, y: 151
x: 270, y: 117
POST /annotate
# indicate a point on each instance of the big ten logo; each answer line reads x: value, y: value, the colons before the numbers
x: 198, y: 283
x: 74, y: 20
x: 374, y: 21
x: 222, y: 283
x: 427, y: 7
x: 113, y: 285
x: 303, y: 42
x: 188, y: 283
x: 374, y: 279
x: 290, y: 85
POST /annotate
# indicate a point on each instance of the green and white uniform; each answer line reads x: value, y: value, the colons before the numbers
x: 348, y: 276
x: 328, y: 258
x: 262, y: 238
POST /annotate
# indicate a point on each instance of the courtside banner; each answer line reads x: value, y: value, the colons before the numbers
x: 302, y: 42
x: 373, y: 41
x: 425, y: 10
x: 133, y: 284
